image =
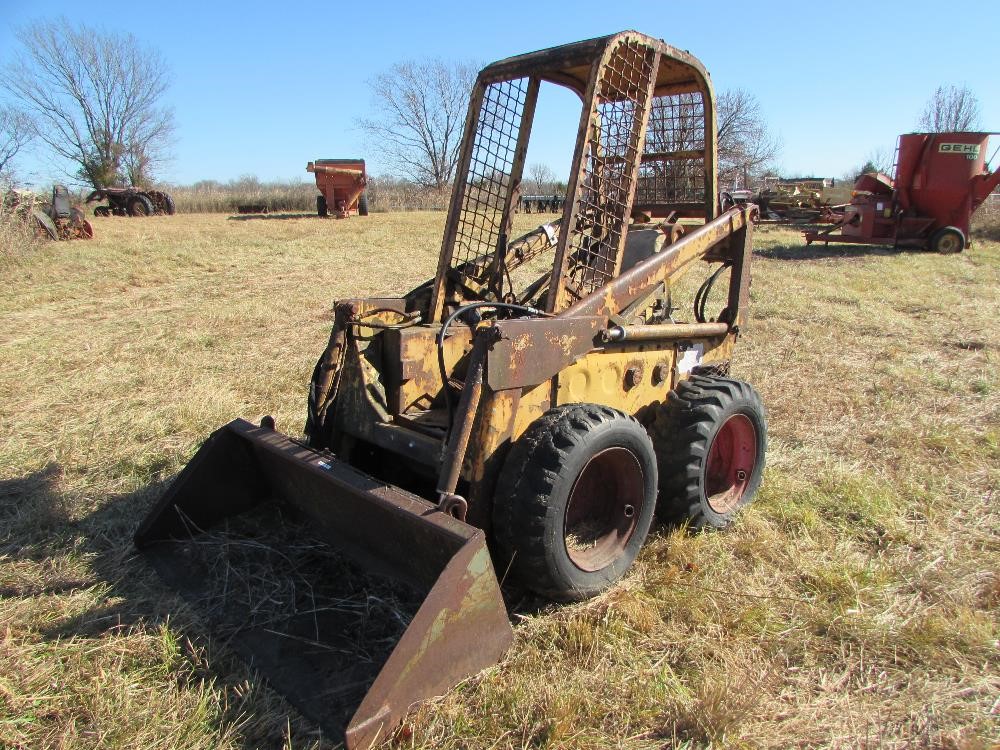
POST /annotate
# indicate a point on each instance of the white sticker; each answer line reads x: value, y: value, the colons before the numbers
x: 689, y: 358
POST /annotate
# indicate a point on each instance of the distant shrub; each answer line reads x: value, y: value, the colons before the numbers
x: 384, y: 194
x: 986, y: 222
x: 17, y: 230
x: 209, y: 196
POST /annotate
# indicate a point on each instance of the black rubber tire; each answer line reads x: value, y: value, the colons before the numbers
x: 537, y: 482
x: 321, y: 208
x: 140, y: 205
x: 102, y: 211
x: 947, y: 241
x: 163, y: 204
x: 363, y: 205
x: 685, y: 433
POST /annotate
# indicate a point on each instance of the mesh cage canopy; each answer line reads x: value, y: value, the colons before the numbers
x: 646, y: 140
x: 605, y: 183
x: 672, y: 175
x: 481, y: 219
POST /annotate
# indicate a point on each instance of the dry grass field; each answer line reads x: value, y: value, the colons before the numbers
x: 855, y: 604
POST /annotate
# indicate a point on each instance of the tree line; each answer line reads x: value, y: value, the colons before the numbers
x: 96, y: 100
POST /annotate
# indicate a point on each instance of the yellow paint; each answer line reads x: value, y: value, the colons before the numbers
x: 418, y: 355
x: 566, y: 342
x: 599, y: 378
x: 534, y: 403
x: 492, y: 430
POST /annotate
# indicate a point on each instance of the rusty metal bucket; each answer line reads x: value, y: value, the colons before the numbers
x: 460, y: 625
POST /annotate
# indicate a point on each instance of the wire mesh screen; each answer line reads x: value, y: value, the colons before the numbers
x: 669, y: 172
x: 481, y: 220
x: 609, y: 164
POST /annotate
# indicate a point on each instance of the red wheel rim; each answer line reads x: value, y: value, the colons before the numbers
x: 603, y: 509
x: 731, y: 461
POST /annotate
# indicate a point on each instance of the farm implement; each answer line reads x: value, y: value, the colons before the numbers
x: 527, y: 411
x: 56, y: 220
x: 341, y: 184
x: 939, y: 181
x: 787, y: 201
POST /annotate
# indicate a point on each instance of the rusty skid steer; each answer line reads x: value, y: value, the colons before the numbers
x: 527, y: 409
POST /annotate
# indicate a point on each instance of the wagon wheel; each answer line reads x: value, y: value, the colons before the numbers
x: 575, y: 500
x: 947, y: 241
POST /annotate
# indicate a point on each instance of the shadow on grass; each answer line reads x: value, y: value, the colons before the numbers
x: 820, y: 251
x: 260, y: 599
x: 37, y: 528
x: 273, y: 217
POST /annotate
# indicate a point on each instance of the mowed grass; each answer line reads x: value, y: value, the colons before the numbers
x: 853, y: 605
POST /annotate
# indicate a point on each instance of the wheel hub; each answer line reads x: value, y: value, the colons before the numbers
x: 731, y: 461
x: 948, y: 244
x: 604, y: 507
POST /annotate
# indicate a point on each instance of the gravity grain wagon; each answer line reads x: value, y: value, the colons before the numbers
x: 341, y: 184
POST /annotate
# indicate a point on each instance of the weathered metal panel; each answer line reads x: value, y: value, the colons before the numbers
x: 529, y: 351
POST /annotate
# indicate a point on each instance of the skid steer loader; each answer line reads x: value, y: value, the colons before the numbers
x: 525, y: 411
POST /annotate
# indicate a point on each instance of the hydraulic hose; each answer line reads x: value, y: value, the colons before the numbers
x: 701, y: 298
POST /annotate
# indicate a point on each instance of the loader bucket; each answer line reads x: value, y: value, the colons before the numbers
x: 460, y: 625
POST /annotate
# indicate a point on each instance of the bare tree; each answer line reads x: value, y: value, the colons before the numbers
x: 16, y: 132
x: 420, y: 114
x: 746, y: 146
x: 541, y: 178
x: 950, y: 109
x: 95, y: 98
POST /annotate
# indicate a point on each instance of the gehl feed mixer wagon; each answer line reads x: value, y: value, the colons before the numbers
x: 527, y: 409
x: 939, y: 181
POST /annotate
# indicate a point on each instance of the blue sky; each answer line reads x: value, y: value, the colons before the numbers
x: 261, y: 88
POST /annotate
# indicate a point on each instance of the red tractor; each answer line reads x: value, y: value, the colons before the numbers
x: 940, y: 181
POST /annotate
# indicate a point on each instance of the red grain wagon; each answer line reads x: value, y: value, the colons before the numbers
x: 342, y: 184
